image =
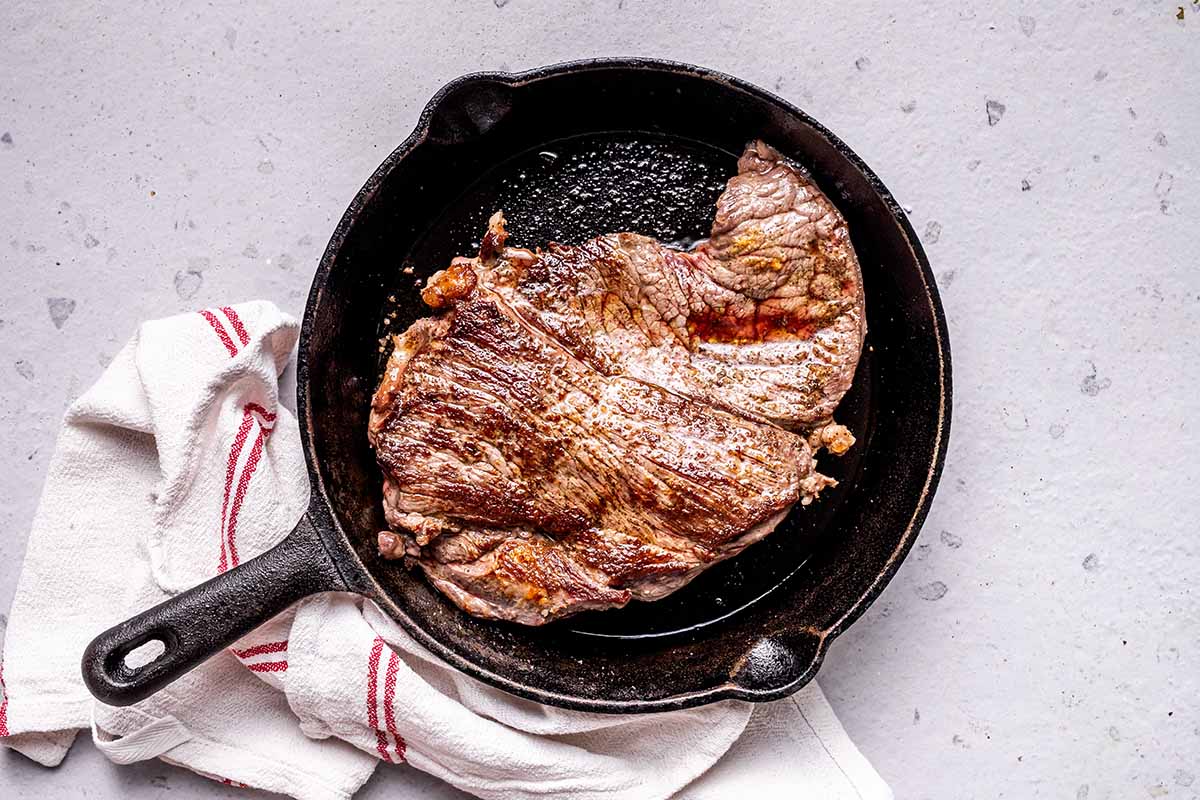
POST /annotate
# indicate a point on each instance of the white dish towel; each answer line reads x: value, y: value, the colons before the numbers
x: 179, y: 463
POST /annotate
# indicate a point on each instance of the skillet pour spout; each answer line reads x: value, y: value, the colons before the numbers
x: 572, y: 151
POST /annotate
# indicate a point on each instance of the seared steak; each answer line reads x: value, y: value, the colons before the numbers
x: 765, y: 317
x: 581, y: 426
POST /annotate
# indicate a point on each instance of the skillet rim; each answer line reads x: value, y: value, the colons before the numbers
x: 359, y: 576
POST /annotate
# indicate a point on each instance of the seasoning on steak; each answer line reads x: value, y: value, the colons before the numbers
x: 581, y: 426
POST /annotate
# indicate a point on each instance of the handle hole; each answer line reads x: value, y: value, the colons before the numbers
x: 144, y: 653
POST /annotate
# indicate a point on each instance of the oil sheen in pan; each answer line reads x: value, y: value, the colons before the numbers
x: 573, y: 189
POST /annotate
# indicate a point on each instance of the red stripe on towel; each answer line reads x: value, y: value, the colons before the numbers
x: 259, y: 649
x: 389, y: 694
x: 240, y: 496
x: 238, y: 327
x: 268, y: 666
x: 372, y: 712
x: 234, y: 453
x: 221, y: 332
x: 4, y: 705
x: 262, y: 412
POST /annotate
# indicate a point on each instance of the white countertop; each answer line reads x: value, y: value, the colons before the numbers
x: 1043, y: 640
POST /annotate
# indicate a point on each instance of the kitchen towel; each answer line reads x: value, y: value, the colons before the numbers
x: 180, y: 463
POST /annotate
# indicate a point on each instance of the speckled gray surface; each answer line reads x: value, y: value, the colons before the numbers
x: 1041, y: 641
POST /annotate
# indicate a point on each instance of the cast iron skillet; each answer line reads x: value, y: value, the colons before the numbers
x: 571, y: 151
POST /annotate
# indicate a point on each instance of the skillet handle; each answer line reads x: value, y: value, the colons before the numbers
x: 199, y: 623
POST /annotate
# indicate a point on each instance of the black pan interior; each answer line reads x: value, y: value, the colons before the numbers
x: 567, y: 156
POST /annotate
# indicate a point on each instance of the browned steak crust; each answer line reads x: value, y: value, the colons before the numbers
x: 585, y: 425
